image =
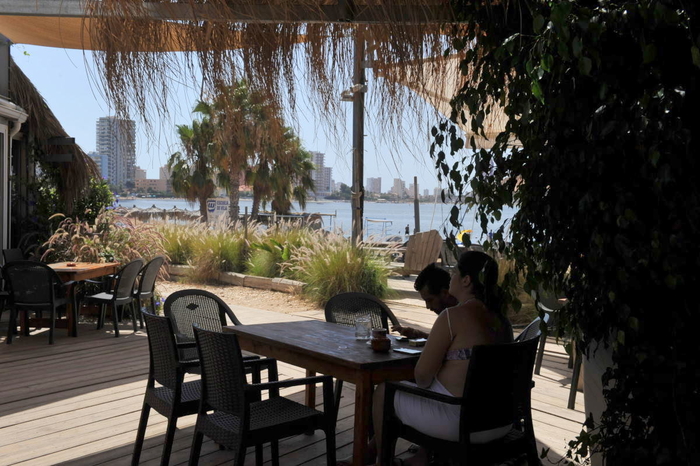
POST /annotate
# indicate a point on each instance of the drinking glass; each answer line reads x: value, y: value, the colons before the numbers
x: 363, y: 328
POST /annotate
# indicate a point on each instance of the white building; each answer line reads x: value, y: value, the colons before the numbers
x: 399, y: 187
x: 322, y: 175
x: 374, y: 185
x: 116, y: 139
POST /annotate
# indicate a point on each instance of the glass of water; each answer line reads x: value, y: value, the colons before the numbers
x: 363, y: 328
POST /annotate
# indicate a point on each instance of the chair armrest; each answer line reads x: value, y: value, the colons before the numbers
x: 289, y: 383
x: 258, y: 362
x: 186, y: 344
x: 397, y: 386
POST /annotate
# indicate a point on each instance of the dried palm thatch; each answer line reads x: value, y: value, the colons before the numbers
x: 41, y: 125
x: 267, y: 43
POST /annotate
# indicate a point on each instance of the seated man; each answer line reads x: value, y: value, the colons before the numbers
x: 433, y: 284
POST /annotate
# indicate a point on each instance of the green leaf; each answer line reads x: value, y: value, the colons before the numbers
x: 584, y: 65
x: 538, y: 23
x: 537, y: 91
x: 621, y: 337
x: 547, y: 62
x: 577, y: 46
x: 649, y: 53
x: 695, y: 54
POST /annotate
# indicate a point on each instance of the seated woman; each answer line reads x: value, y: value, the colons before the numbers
x: 478, y: 319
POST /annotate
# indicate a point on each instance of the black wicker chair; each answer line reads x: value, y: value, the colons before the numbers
x: 121, y: 295
x: 34, y: 287
x: 147, y: 284
x: 496, y: 393
x: 232, y: 415
x: 208, y: 311
x: 174, y: 397
x: 12, y: 255
x: 345, y: 308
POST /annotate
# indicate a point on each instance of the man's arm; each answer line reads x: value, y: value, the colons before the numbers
x: 409, y: 332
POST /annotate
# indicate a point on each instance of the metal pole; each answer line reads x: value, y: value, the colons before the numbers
x: 358, y: 102
x: 416, y: 205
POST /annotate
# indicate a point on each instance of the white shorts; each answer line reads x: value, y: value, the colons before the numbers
x: 437, y: 419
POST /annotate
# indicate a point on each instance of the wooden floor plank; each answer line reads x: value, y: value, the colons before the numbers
x: 77, y: 402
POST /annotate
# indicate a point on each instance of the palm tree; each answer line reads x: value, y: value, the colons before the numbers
x: 243, y: 123
x: 280, y: 174
x: 192, y: 169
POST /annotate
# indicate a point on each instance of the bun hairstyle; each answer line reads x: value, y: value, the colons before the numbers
x: 483, y: 271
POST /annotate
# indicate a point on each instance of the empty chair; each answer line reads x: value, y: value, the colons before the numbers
x: 496, y: 394
x: 33, y: 287
x: 173, y: 397
x: 147, y: 283
x: 208, y: 311
x: 12, y: 255
x: 232, y: 415
x: 345, y: 308
x: 121, y: 296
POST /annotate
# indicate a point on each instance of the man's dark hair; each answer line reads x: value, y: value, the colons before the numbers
x: 434, y: 277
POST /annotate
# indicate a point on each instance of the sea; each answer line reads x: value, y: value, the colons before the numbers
x: 382, y: 220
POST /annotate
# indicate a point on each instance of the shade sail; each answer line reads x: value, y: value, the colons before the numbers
x: 438, y: 91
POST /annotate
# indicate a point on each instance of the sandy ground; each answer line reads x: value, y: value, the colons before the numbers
x: 251, y: 297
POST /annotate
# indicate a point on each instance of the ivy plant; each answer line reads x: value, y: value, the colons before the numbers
x: 601, y: 98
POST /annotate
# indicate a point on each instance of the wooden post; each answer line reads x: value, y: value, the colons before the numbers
x: 416, y: 205
x: 358, y: 149
x: 245, y: 224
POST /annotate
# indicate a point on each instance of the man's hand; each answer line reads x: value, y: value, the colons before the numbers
x: 409, y: 332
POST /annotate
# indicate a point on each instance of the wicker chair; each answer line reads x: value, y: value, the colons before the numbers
x: 174, y: 398
x: 208, y: 311
x: 147, y: 284
x: 491, y: 398
x: 232, y: 415
x: 345, y: 308
x: 121, y: 295
x: 36, y: 287
x: 12, y: 255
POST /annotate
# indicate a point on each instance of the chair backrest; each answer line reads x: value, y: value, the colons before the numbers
x: 31, y: 283
x: 126, y: 279
x: 422, y: 249
x: 497, y: 388
x: 547, y: 300
x: 188, y: 307
x: 345, y: 308
x: 149, y: 273
x: 533, y: 329
x: 165, y: 365
x: 223, y: 374
x: 12, y: 255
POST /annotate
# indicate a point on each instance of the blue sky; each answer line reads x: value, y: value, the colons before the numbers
x: 67, y: 81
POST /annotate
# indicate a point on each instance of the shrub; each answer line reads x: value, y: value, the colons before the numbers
x: 109, y: 238
x: 330, y: 265
x: 216, y: 250
x: 264, y: 263
x: 178, y: 242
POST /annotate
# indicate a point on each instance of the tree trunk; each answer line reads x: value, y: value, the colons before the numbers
x: 256, y: 202
x: 233, y: 194
x: 203, y: 210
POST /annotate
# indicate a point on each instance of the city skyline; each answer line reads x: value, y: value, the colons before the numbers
x: 72, y: 94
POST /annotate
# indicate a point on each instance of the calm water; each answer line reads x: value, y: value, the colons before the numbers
x: 397, y: 216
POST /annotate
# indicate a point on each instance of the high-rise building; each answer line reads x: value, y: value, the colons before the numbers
x: 321, y: 174
x: 426, y: 192
x: 164, y: 174
x: 399, y: 187
x: 102, y: 162
x: 140, y: 173
x: 374, y: 185
x: 116, y: 138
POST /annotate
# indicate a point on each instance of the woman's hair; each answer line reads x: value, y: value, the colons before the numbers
x: 483, y: 271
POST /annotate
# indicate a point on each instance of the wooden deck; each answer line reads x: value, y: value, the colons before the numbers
x: 78, y: 402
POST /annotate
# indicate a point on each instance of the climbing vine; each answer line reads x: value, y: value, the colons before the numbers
x: 602, y: 99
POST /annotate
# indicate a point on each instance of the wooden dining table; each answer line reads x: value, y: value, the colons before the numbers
x: 77, y: 271
x: 330, y: 349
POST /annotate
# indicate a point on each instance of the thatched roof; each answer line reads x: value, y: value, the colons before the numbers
x: 268, y: 44
x: 41, y: 125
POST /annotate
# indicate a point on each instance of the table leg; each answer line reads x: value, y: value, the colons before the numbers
x: 363, y: 419
x: 311, y: 391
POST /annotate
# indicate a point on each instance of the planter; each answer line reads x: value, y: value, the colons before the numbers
x: 238, y: 279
